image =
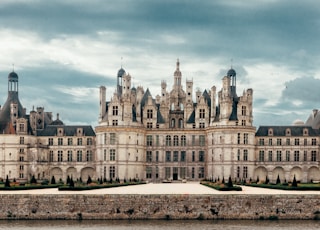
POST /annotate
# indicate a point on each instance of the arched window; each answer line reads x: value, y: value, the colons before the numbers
x: 180, y: 123
x: 173, y: 123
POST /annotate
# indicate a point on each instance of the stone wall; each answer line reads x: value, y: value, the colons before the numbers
x: 159, y: 206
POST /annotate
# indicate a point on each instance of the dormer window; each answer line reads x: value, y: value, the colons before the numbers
x: 270, y: 132
x: 305, y: 132
x: 288, y: 132
x: 60, y: 131
x: 79, y: 131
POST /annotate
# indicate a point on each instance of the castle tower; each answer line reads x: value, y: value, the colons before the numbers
x: 121, y: 73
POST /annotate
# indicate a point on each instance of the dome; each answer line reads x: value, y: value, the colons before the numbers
x: 57, y: 122
x: 13, y: 76
x: 121, y: 72
x: 298, y: 122
x: 231, y: 73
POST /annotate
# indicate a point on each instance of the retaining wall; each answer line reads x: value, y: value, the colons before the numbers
x: 159, y: 207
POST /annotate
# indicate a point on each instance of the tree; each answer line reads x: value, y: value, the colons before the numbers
x: 53, y: 180
x: 294, y: 182
x: 230, y: 185
x: 33, y: 180
x: 68, y: 179
x: 7, y: 184
x: 89, y: 181
x: 267, y: 180
x: 257, y: 180
x: 71, y: 183
x: 278, y: 180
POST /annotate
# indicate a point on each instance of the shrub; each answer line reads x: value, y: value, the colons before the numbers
x: 294, y: 182
x: 7, y: 183
x: 53, y: 180
x: 33, y: 180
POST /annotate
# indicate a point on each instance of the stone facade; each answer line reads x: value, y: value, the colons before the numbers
x: 236, y: 207
x: 179, y: 134
x: 34, y: 144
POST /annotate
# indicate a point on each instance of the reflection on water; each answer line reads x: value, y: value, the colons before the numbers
x: 159, y: 224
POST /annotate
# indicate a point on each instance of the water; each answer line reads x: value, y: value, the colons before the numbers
x: 159, y: 224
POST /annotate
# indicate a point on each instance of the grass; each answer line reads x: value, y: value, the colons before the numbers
x: 220, y: 186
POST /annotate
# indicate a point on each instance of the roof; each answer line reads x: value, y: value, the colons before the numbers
x: 281, y: 130
x: 69, y: 130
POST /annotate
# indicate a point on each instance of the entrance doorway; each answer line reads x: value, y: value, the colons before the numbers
x: 175, y: 173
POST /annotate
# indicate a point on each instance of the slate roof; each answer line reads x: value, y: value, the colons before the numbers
x: 69, y: 130
x: 281, y: 130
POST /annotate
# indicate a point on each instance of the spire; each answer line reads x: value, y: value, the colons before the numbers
x: 178, y: 64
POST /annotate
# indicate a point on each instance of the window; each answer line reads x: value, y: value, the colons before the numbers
x: 173, y: 123
x: 79, y: 141
x: 21, y: 140
x: 202, y: 113
x: 296, y: 155
x: 149, y: 140
x: 157, y: 172
x: 313, y: 155
x: 157, y: 140
x: 192, y: 172
x: 279, y: 158
x: 193, y: 140
x: 79, y: 156
x: 202, y: 140
x: 175, y: 141
x: 60, y: 156
x: 157, y: 156
x: 89, y: 141
x: 112, y: 171
x: 193, y: 156
x: 50, y: 141
x: 183, y: 140
x: 180, y: 123
x: 261, y: 141
x: 305, y: 157
x: 148, y: 172
x: 201, y: 125
x: 50, y: 156
x: 168, y: 156
x: 105, y: 138
x: 239, y: 138
x: 183, y: 156
x: 21, y: 158
x: 70, y: 142
x: 115, y: 110
x: 245, y: 155
x: 201, y: 156
x: 270, y: 141
x: 69, y: 155
x: 278, y: 141
x: 149, y: 125
x: 288, y: 141
x: 261, y: 155
x: 287, y: 155
x: 104, y: 154
x: 168, y: 172
x: 238, y: 172
x: 149, y: 156
x: 244, y: 111
x: 245, y: 171
x: 89, y: 155
x: 245, y: 138
x: 201, y: 172
x: 296, y: 141
x: 112, y: 155
x: 270, y: 155
x: 114, y: 122
x: 112, y: 138
x: 149, y: 113
x: 238, y: 155
x: 305, y: 142
x: 168, y: 140
x: 175, y: 156
x: 60, y: 141
x: 243, y: 122
x: 21, y: 127
x: 313, y: 141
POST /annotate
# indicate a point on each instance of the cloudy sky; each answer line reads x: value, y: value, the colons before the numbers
x: 64, y: 50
